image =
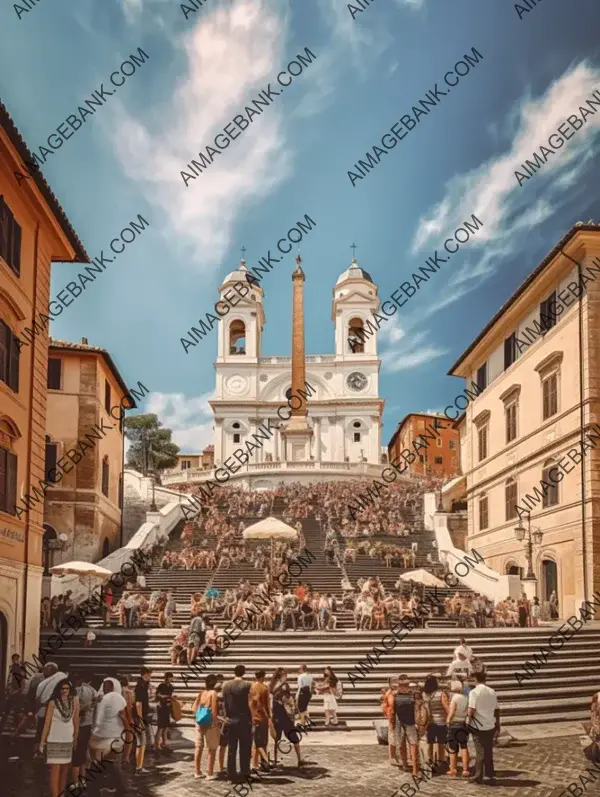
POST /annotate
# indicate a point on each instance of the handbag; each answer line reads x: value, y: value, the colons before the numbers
x: 592, y: 752
x: 204, y: 716
x: 176, y: 711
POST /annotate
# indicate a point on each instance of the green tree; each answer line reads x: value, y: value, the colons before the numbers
x: 151, y: 449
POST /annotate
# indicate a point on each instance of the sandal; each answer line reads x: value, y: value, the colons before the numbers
x: 452, y: 772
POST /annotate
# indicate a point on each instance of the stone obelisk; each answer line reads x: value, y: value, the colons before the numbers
x: 298, y: 432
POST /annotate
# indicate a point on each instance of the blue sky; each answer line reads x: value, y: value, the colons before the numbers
x: 369, y: 71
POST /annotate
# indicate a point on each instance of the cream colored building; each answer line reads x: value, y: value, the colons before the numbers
x: 87, y: 399
x: 541, y: 397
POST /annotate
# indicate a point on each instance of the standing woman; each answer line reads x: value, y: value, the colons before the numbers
x: 535, y: 612
x: 283, y: 712
x: 329, y: 690
x: 61, y: 728
x: 437, y: 705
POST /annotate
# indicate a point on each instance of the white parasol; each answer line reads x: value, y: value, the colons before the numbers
x: 422, y: 577
x: 270, y: 528
x: 86, y: 571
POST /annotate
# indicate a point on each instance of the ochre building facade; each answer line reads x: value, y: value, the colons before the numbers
x: 34, y: 231
x: 87, y: 400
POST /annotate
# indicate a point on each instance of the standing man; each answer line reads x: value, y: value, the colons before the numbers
x: 484, y: 718
x: 239, y: 723
x: 88, y: 697
x: 261, y: 716
x: 305, y: 692
x: 164, y: 695
x: 141, y: 718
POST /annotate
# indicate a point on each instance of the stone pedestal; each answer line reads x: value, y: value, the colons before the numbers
x: 530, y: 587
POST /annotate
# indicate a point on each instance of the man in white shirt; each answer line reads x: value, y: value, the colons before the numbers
x: 460, y: 667
x: 484, y: 721
x: 463, y: 648
x: 304, y: 693
x: 108, y: 732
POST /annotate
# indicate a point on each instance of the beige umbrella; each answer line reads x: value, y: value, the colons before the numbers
x: 85, y: 571
x: 270, y: 528
x: 422, y: 577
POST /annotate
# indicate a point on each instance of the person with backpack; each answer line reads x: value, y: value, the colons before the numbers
x: 207, y: 729
x: 403, y: 720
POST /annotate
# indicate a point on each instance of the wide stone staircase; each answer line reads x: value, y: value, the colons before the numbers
x: 547, y: 697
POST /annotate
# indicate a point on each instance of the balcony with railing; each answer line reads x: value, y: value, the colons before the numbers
x: 311, y: 358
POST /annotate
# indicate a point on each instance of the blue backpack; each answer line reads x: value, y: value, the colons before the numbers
x: 204, y: 716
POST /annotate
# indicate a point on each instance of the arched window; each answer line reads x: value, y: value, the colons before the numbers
x: 551, y: 491
x: 356, y: 431
x: 237, y: 337
x: 513, y: 569
x: 105, y: 476
x: 510, y: 499
x: 356, y: 336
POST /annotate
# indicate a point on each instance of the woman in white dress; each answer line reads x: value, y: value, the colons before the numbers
x: 329, y: 688
x: 61, y: 727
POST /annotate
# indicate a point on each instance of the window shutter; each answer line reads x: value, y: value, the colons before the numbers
x: 3, y: 229
x: 13, y: 362
x: 3, y: 479
x: 16, y: 248
x: 11, y: 483
x: 553, y: 395
x: 4, y: 351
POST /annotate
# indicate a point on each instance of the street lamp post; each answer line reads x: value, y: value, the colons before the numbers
x: 532, y: 536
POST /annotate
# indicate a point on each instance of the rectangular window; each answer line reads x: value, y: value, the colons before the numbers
x: 54, y: 373
x: 548, y: 312
x: 483, y: 512
x: 550, y: 497
x: 357, y: 437
x: 510, y: 351
x: 185, y: 463
x: 236, y: 437
x: 452, y: 444
x: 106, y: 395
x: 10, y: 238
x: 105, y: 478
x: 510, y: 416
x: 550, y: 396
x: 439, y: 460
x: 510, y: 500
x: 482, y: 377
x: 120, y: 491
x: 9, y: 357
x: 50, y: 463
x: 438, y: 442
x: 8, y: 482
x: 421, y: 460
x: 482, y: 437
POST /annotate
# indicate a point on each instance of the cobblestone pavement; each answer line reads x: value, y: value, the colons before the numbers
x: 539, y: 768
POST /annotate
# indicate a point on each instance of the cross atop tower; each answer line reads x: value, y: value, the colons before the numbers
x: 243, y: 250
x: 354, y: 247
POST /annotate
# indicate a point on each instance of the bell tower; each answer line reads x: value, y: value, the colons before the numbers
x: 240, y: 329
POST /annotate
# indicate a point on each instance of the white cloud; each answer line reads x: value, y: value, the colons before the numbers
x: 411, y: 3
x: 190, y: 419
x: 231, y: 54
x: 402, y: 352
x: 491, y: 191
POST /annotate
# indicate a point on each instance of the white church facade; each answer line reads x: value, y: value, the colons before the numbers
x: 344, y: 410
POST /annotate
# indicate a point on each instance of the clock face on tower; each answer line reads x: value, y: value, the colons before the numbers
x: 356, y: 381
